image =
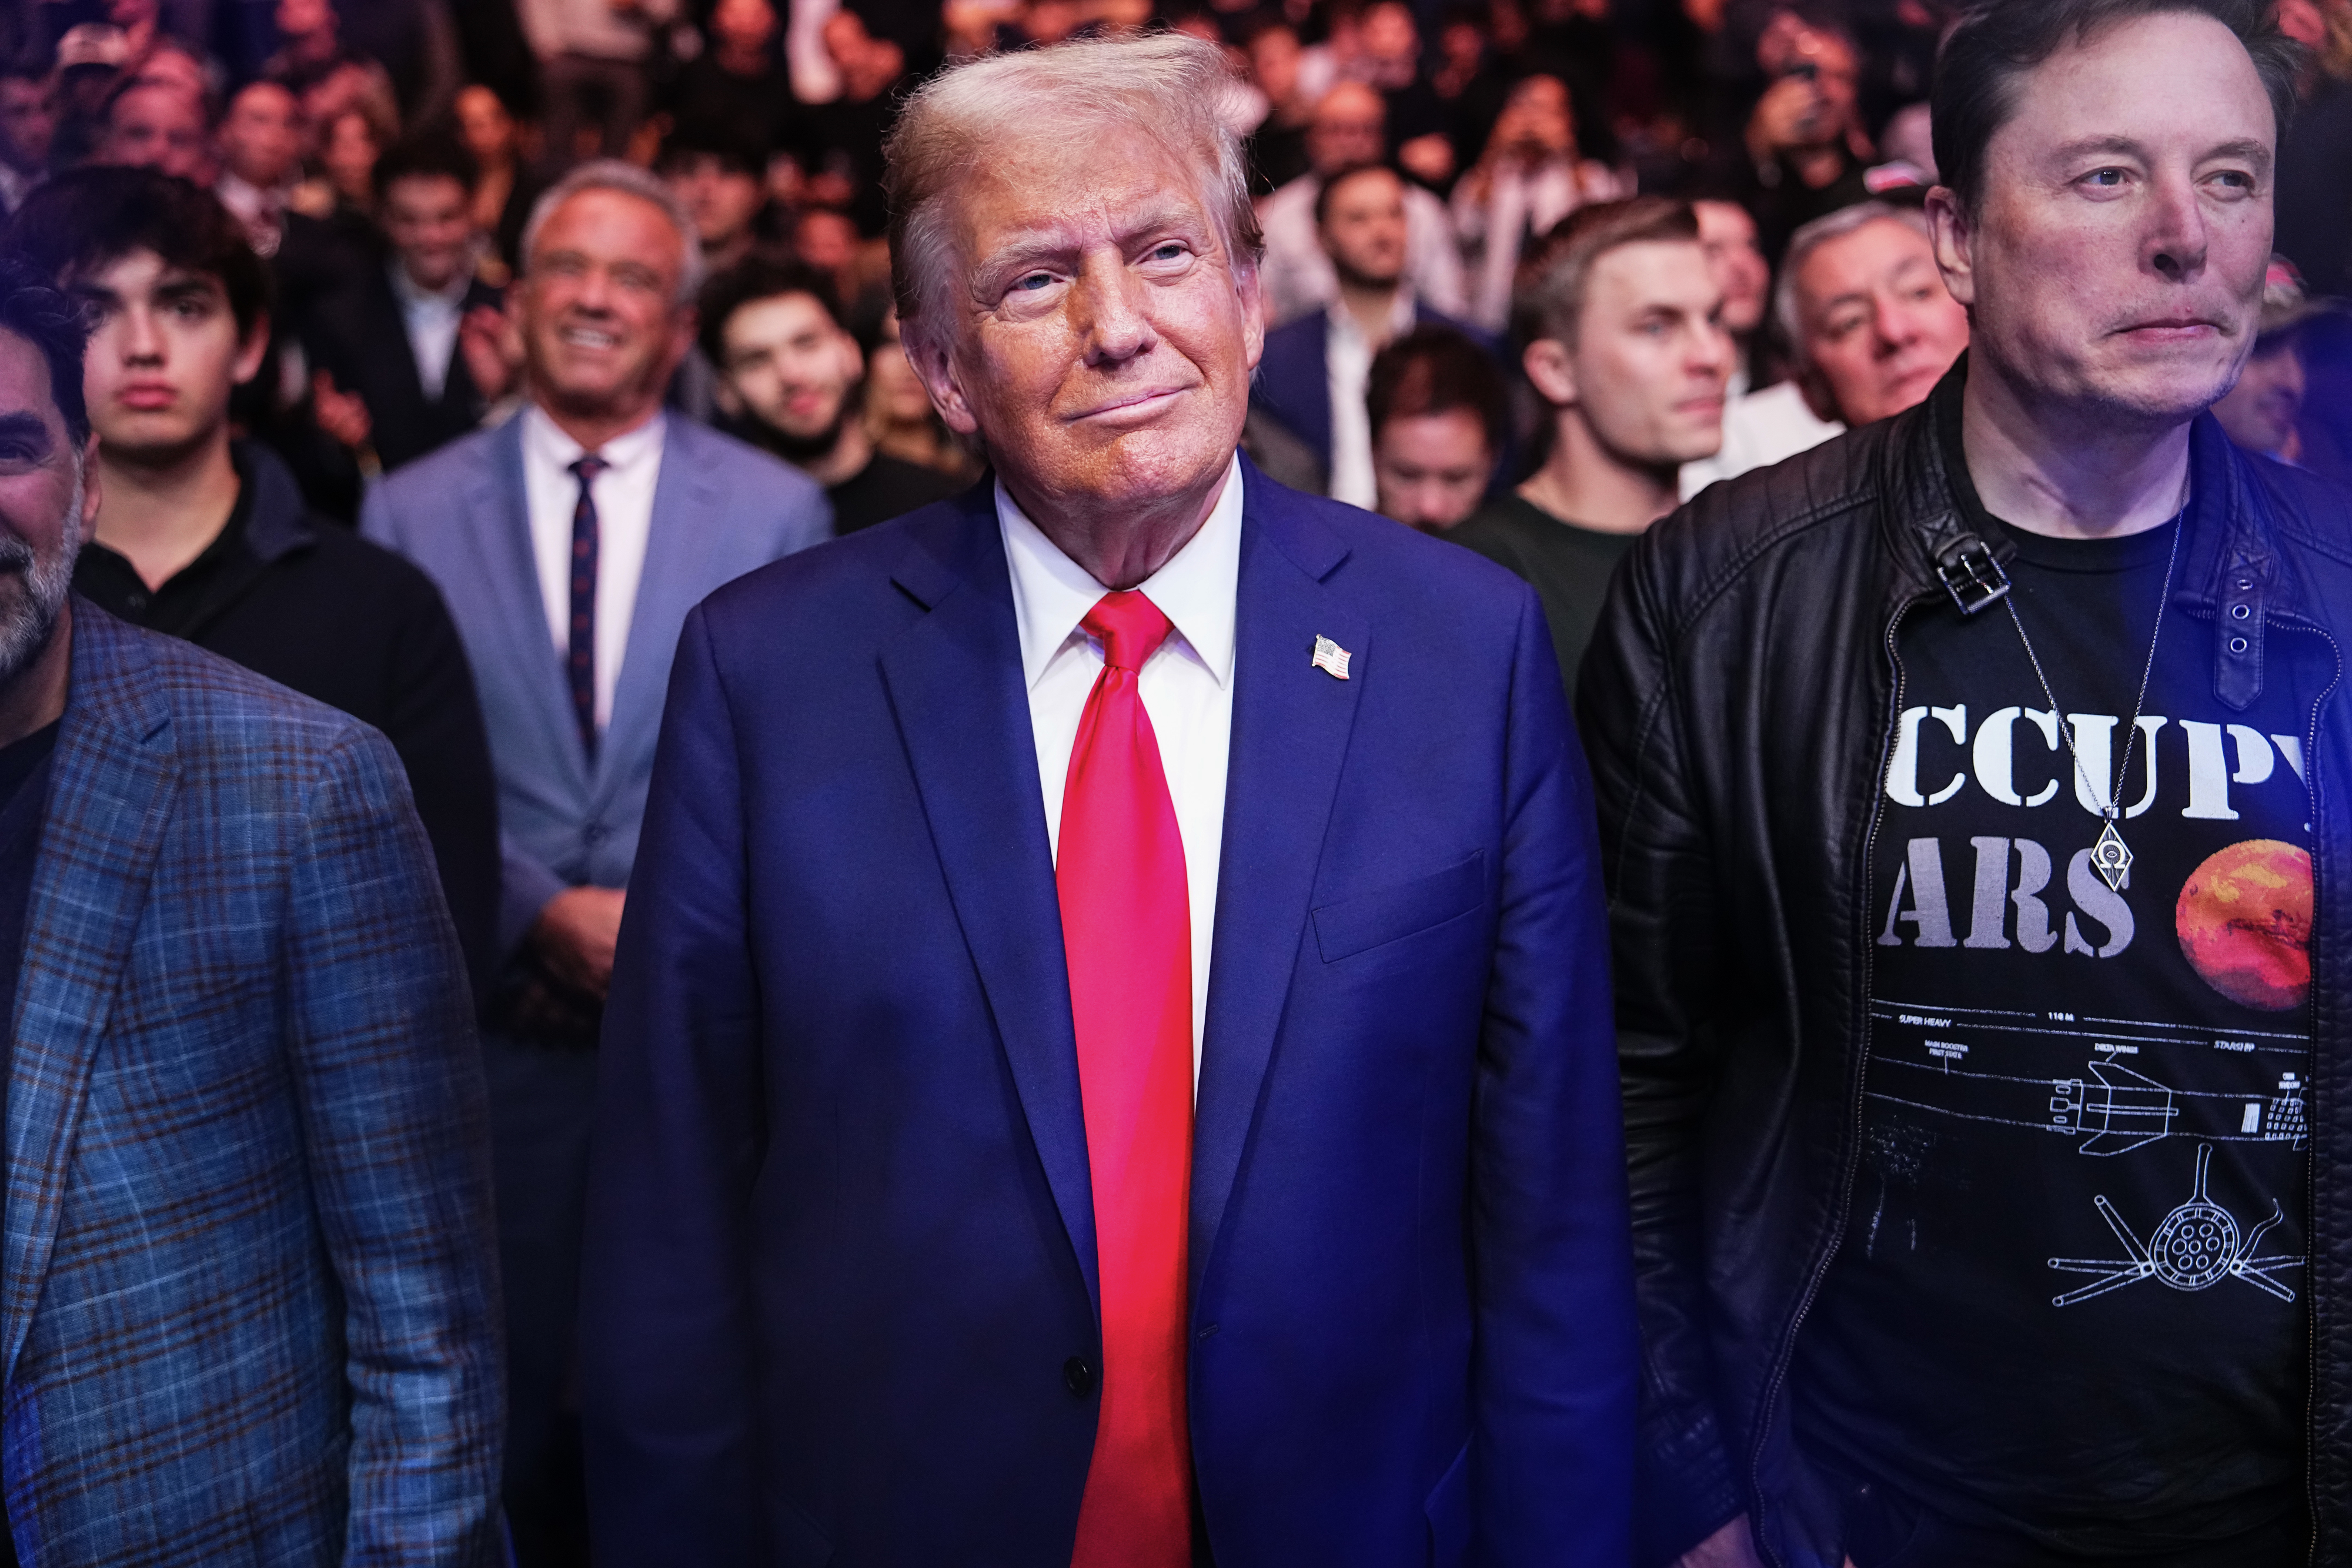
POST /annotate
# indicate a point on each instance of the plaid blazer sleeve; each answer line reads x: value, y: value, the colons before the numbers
x: 388, y: 1078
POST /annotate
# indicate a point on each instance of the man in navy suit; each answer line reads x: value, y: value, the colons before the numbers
x: 1109, y: 1061
x: 1315, y: 368
x: 570, y: 542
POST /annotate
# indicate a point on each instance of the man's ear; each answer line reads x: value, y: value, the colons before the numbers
x: 1953, y: 236
x: 935, y: 368
x: 1553, y: 373
x: 251, y: 349
x: 1252, y: 291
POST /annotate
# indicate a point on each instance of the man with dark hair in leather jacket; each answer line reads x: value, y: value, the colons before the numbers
x: 1982, y: 906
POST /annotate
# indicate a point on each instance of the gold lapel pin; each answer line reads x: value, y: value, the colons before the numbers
x: 1331, y: 659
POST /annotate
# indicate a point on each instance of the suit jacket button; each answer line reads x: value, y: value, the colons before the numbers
x: 1080, y: 1375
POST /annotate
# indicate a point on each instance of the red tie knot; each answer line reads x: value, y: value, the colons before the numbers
x: 1129, y: 627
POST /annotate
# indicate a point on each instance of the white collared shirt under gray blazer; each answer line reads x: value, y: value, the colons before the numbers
x: 720, y: 508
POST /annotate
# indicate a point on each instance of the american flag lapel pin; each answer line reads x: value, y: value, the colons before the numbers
x: 1331, y: 659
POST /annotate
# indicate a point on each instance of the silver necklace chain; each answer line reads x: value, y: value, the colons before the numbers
x: 2109, y: 855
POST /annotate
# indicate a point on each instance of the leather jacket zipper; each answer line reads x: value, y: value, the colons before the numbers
x: 1786, y: 1355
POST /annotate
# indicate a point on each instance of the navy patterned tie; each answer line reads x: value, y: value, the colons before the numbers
x: 580, y: 667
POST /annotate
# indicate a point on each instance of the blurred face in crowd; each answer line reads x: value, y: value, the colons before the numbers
x: 261, y: 136
x: 1536, y: 123
x: 47, y: 505
x: 163, y: 359
x: 1877, y: 329
x: 1097, y: 335
x: 792, y: 367
x: 1727, y: 235
x: 28, y: 122
x: 1431, y: 469
x: 2260, y: 412
x: 1351, y: 126
x: 348, y: 156
x: 158, y: 127
x: 1647, y: 372
x: 826, y: 240
x: 895, y: 394
x: 302, y: 18
x: 1388, y: 35
x: 603, y: 326
x: 1273, y: 61
x: 485, y: 126
x: 1363, y: 229
x: 743, y: 25
x: 2115, y: 261
x: 429, y: 218
x: 722, y: 198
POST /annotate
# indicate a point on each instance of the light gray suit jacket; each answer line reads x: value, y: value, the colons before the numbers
x: 720, y: 508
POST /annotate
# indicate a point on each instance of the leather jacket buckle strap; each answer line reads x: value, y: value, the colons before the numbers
x: 1972, y: 574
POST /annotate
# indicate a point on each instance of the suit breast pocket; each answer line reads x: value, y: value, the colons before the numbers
x: 1369, y: 920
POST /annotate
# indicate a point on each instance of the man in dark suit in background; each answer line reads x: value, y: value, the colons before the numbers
x: 1315, y: 368
x: 404, y: 334
x: 1109, y: 1061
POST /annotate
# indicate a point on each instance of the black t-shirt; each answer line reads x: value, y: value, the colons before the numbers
x: 192, y: 595
x: 1568, y: 566
x: 886, y: 487
x: 2069, y: 1311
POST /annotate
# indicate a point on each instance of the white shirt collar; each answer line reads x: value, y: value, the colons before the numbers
x: 1196, y: 588
x: 544, y: 442
x: 411, y: 295
x: 1402, y: 316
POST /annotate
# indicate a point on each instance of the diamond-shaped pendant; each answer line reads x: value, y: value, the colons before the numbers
x: 2112, y: 857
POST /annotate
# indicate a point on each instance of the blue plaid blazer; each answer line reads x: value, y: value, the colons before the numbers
x: 248, y: 1309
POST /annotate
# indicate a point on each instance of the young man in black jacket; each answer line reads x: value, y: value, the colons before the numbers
x: 207, y: 538
x: 1963, y: 782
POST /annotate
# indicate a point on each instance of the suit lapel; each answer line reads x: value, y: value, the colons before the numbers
x: 955, y: 684
x: 507, y: 573
x: 1291, y: 724
x: 112, y: 781
x: 683, y: 530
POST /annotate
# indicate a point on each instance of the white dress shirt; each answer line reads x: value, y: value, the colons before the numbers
x: 1759, y: 429
x: 1187, y: 686
x: 1347, y: 371
x: 623, y: 493
x: 431, y: 320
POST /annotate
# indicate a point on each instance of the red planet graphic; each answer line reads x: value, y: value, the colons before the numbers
x: 2244, y: 919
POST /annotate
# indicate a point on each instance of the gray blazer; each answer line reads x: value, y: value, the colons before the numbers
x: 720, y: 508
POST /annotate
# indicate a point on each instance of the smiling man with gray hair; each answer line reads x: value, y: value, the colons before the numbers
x: 570, y: 542
x: 1107, y: 1063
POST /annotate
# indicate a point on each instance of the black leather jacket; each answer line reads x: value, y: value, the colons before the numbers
x: 1738, y: 704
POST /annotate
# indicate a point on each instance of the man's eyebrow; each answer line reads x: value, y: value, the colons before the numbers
x: 1047, y: 241
x: 21, y: 426
x: 2253, y: 152
x: 2084, y: 145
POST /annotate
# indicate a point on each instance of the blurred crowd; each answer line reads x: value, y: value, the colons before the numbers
x: 384, y: 158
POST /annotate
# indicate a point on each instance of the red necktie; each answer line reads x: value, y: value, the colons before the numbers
x: 1128, y: 935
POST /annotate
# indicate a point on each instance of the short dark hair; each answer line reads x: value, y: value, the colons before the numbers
x: 748, y: 283
x: 1341, y: 177
x: 1548, y: 295
x: 705, y: 137
x: 1436, y: 369
x: 427, y: 154
x: 87, y: 219
x: 1994, y: 44
x: 41, y: 314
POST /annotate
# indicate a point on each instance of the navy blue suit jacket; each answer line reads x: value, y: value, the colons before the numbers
x: 1294, y: 374
x: 841, y: 1242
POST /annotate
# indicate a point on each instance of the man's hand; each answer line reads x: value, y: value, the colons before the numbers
x: 574, y: 935
x: 339, y: 413
x: 492, y: 349
x: 1428, y: 158
x: 1788, y: 116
